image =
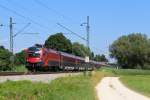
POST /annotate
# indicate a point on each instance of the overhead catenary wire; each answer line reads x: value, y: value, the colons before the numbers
x: 34, y: 22
x: 102, y: 51
x: 27, y: 10
x: 22, y: 29
x: 20, y: 15
x: 38, y: 2
x: 45, y: 6
x: 50, y: 9
x: 71, y: 31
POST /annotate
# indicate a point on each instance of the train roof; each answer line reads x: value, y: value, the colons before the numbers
x: 71, y: 55
x: 97, y: 62
x: 33, y: 48
x: 52, y: 50
x: 76, y: 57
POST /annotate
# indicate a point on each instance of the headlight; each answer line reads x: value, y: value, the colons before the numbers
x: 37, y: 52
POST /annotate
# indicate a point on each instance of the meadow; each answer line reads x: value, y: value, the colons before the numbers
x: 81, y: 87
x: 135, y: 79
x: 139, y: 83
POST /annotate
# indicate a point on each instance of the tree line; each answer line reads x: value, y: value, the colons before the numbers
x: 131, y: 51
x: 57, y: 42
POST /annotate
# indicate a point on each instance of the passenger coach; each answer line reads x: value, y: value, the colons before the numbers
x: 41, y: 58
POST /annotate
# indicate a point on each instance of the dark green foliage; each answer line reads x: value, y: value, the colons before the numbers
x: 131, y: 51
x: 5, y: 59
x: 100, y: 58
x: 92, y: 56
x: 19, y: 68
x: 59, y: 42
x: 20, y: 58
x: 80, y: 50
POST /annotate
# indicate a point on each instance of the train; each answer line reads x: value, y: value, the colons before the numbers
x: 40, y: 58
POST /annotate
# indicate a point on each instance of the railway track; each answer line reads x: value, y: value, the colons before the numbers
x: 31, y: 73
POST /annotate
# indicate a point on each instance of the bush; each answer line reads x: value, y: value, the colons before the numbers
x: 5, y: 55
x: 19, y: 68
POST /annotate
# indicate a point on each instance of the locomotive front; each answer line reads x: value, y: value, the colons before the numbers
x: 34, y: 58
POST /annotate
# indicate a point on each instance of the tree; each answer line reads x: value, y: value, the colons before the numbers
x: 101, y: 58
x: 20, y: 58
x: 5, y: 59
x: 131, y: 51
x: 59, y: 42
x: 92, y: 56
x: 80, y: 50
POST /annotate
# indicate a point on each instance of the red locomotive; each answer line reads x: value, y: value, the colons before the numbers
x: 40, y: 58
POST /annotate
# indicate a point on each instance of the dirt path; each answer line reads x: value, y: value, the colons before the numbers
x: 110, y: 88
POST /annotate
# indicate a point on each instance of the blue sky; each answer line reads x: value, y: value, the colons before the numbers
x: 109, y: 19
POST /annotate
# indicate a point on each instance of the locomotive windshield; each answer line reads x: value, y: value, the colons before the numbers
x: 33, y: 52
x: 34, y: 55
x: 34, y: 49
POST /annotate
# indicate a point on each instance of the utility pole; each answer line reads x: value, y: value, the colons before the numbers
x: 11, y: 35
x: 1, y: 25
x: 88, y: 32
x: 87, y: 40
x: 11, y: 41
x: 88, y: 37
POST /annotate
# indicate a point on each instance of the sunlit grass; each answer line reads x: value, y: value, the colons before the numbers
x: 139, y: 83
x: 125, y: 71
x: 136, y: 79
x: 20, y: 68
x: 81, y: 87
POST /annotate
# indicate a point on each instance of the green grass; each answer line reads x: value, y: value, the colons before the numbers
x: 131, y: 72
x: 139, y: 83
x: 20, y: 68
x: 78, y: 87
x: 125, y: 71
x: 68, y: 88
x: 136, y: 79
x: 17, y: 68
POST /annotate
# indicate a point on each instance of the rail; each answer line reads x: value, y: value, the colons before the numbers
x: 31, y: 73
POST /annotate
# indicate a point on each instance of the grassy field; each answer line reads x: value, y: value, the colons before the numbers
x: 138, y: 80
x: 79, y: 87
x: 17, y: 68
x: 119, y: 72
x: 68, y: 88
x: 140, y: 83
x: 20, y: 68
